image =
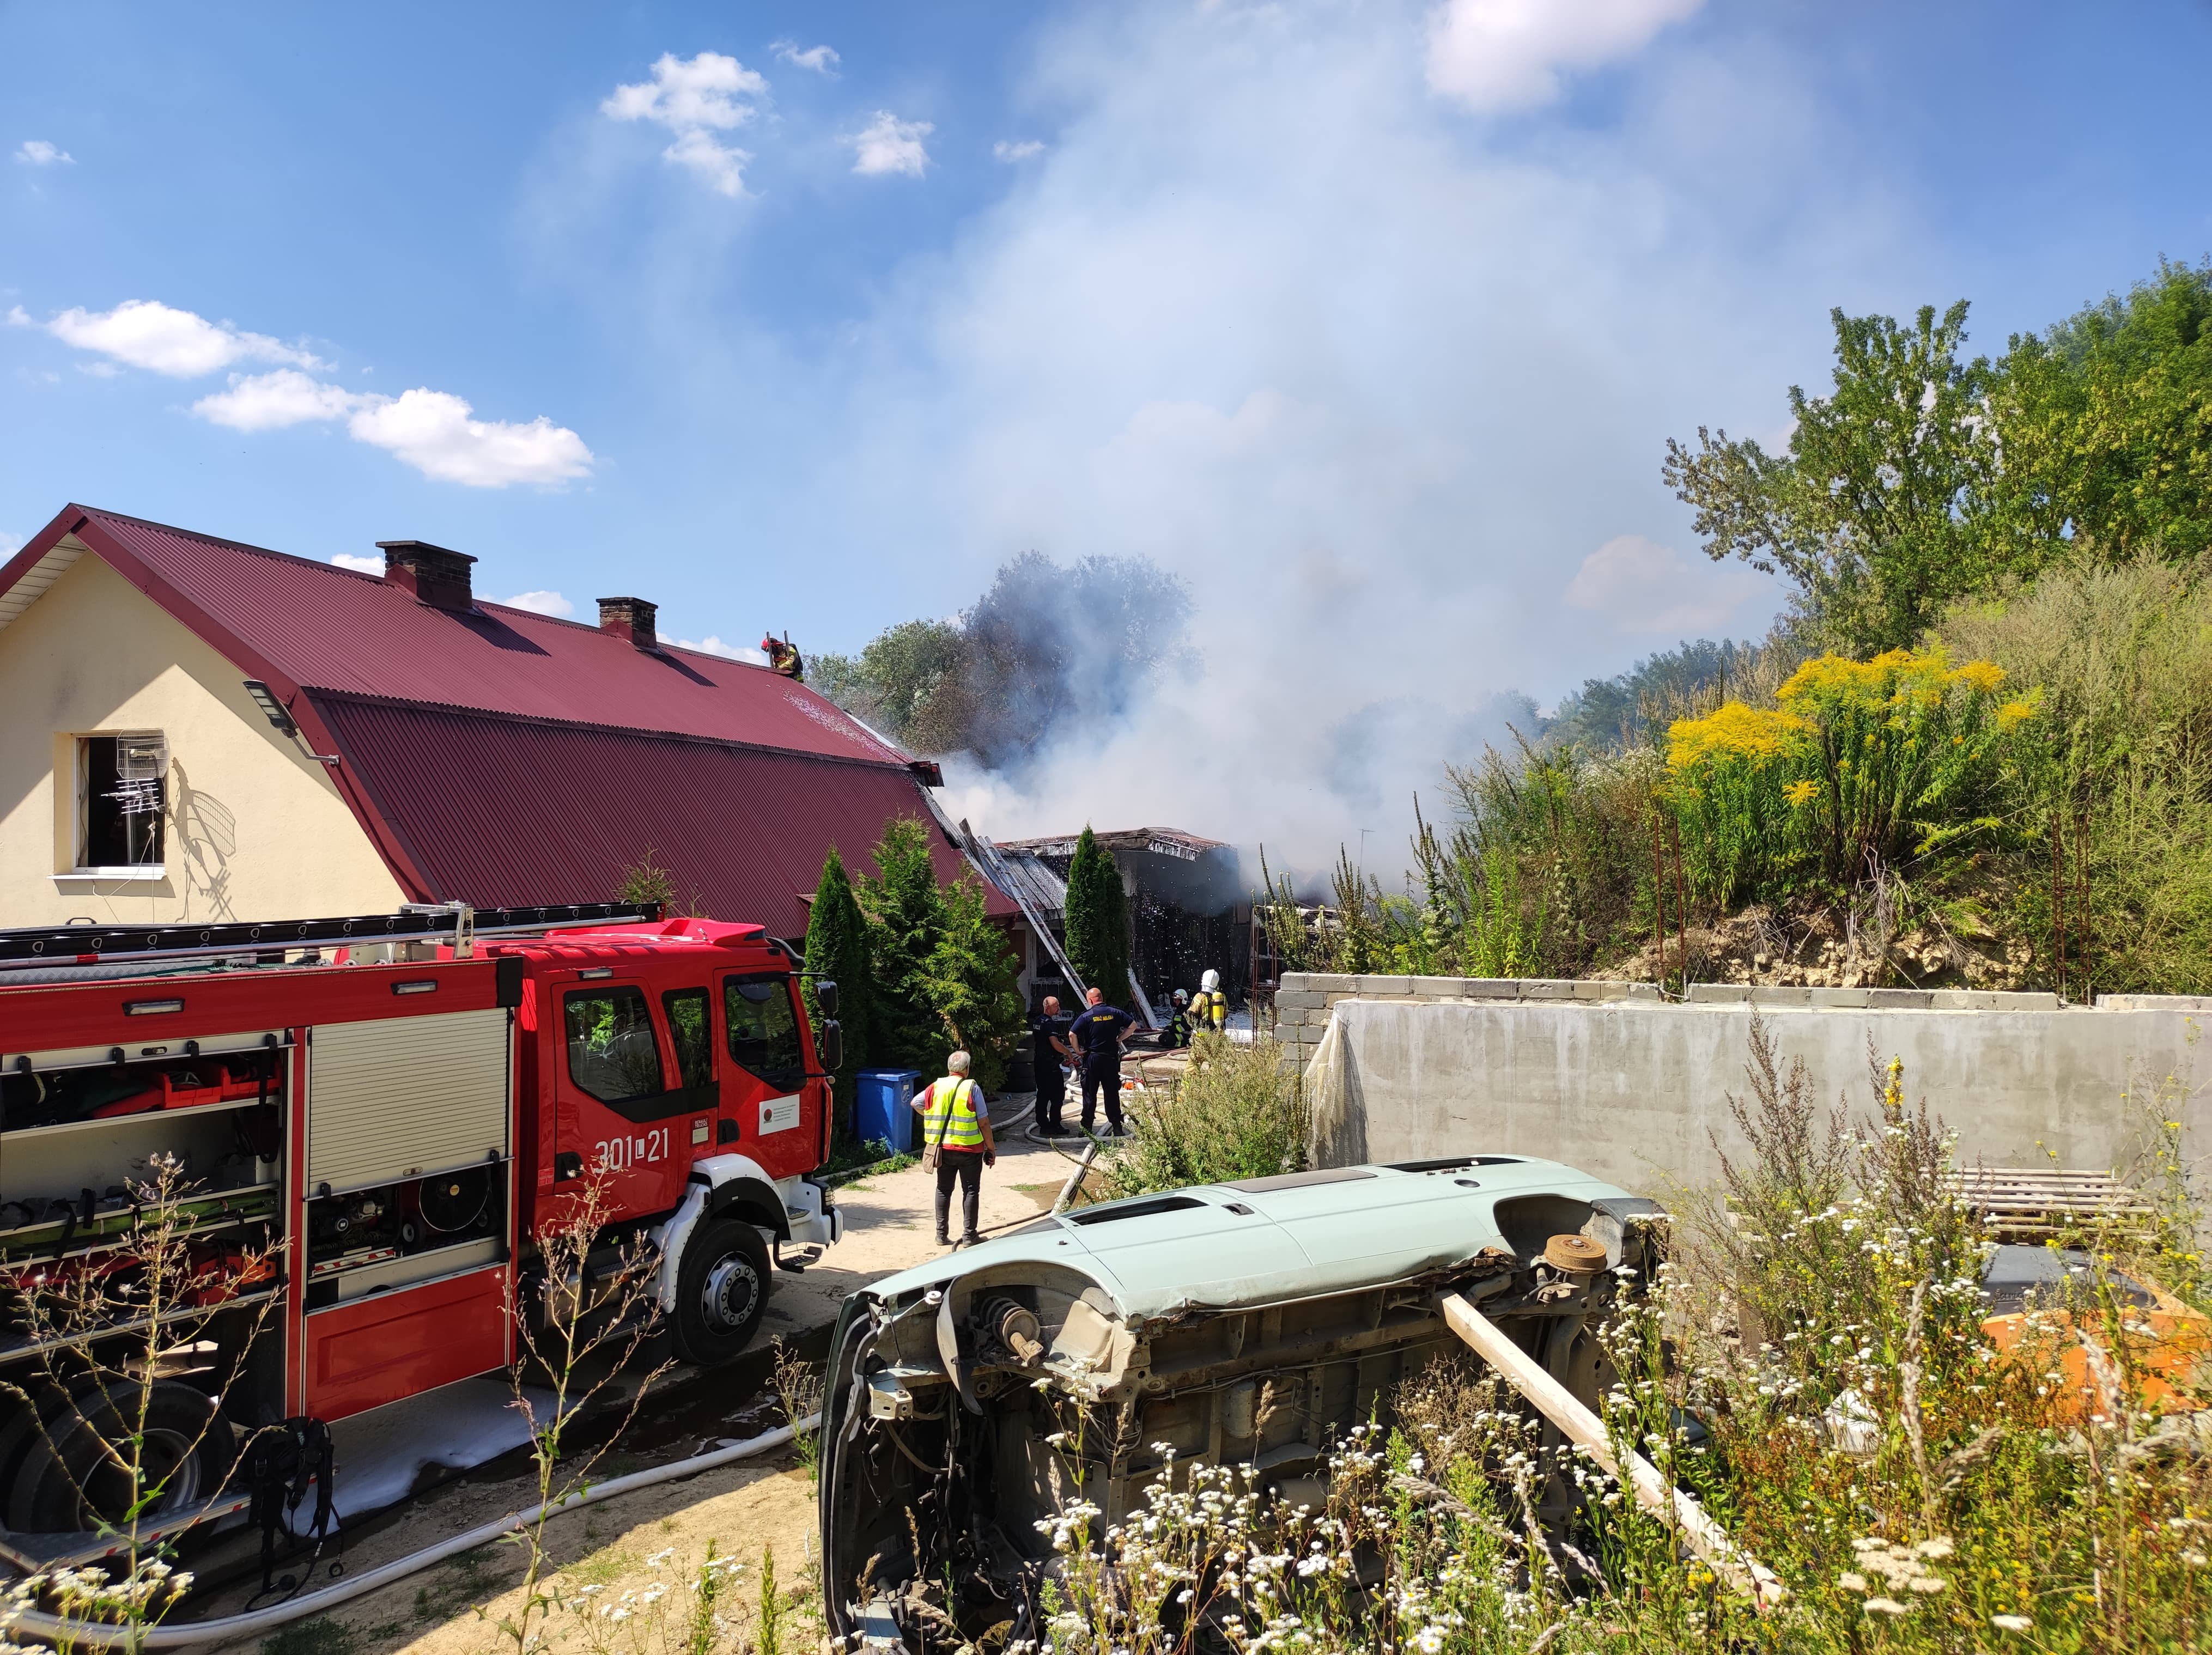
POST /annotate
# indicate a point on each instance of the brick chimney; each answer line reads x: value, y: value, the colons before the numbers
x: 436, y: 576
x: 630, y: 618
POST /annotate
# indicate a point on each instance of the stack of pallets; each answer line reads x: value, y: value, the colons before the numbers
x: 2031, y: 1204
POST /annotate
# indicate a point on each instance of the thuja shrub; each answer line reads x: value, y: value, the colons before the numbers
x: 1889, y: 760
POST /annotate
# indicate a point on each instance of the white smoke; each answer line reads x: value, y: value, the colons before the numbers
x: 1375, y: 377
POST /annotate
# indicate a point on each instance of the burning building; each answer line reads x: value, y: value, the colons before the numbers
x: 1189, y: 910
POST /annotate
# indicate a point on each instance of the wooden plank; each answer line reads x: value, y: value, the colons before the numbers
x: 1653, y: 1492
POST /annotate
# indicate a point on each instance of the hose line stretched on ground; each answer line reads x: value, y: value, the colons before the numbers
x: 87, y: 1634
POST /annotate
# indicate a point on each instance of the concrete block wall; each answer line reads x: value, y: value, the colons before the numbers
x: 1305, y: 1000
x: 1617, y: 1079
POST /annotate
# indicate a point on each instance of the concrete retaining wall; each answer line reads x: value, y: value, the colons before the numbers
x: 1615, y: 1079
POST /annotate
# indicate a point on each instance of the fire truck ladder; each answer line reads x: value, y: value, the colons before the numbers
x: 453, y: 922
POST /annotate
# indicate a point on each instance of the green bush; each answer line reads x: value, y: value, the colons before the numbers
x: 1234, y: 1114
x: 1861, y: 764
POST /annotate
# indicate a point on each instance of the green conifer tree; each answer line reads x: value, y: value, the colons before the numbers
x: 837, y: 949
x: 973, y: 972
x: 905, y: 909
x: 1098, y: 920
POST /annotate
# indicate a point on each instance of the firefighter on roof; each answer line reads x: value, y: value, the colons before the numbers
x: 783, y: 658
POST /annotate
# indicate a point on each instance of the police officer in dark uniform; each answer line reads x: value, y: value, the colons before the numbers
x: 1049, y: 1048
x: 1100, y: 1033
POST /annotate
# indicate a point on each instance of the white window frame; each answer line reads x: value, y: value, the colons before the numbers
x: 80, y: 873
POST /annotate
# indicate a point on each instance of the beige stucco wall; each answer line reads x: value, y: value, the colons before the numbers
x: 255, y: 829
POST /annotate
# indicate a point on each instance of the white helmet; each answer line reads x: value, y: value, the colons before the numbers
x: 1211, y: 981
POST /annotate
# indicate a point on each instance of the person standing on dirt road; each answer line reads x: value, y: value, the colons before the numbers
x: 956, y: 1122
x: 1100, y: 1033
x: 1049, y: 1048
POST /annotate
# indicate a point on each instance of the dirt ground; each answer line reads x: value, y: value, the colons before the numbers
x: 655, y: 1535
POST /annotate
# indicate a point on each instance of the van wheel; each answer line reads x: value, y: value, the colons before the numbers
x: 721, y: 1290
x: 74, y: 1475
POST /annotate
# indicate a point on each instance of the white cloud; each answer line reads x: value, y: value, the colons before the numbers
x: 888, y: 144
x: 1507, y: 54
x: 37, y: 152
x: 10, y: 544
x: 823, y: 60
x: 18, y: 318
x: 550, y: 603
x: 710, y: 645
x: 359, y: 565
x: 433, y: 432
x: 1649, y: 591
x: 430, y: 430
x: 144, y: 333
x: 269, y: 401
x: 1007, y: 149
x: 695, y: 98
x: 720, y: 166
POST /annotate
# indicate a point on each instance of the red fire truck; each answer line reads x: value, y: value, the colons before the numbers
x: 388, y: 1109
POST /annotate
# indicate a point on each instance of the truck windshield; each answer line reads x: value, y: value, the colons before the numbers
x: 612, y: 1054
x: 764, y: 1029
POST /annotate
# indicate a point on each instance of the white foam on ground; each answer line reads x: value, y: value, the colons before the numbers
x: 380, y: 1454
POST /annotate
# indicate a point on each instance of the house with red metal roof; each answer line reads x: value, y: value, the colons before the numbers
x: 196, y: 728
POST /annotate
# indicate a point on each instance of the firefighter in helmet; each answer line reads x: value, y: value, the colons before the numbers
x: 1179, y: 1019
x: 784, y: 659
x: 1209, y: 1007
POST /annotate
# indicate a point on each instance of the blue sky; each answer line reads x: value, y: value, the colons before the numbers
x: 1371, y: 319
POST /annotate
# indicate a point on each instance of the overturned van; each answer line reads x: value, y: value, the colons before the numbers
x: 1250, y: 1323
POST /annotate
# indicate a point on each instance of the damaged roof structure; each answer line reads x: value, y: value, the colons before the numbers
x: 1189, y: 911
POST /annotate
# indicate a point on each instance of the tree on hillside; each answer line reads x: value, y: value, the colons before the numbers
x: 972, y: 976
x: 2107, y: 423
x: 1875, y: 512
x: 1098, y: 919
x: 837, y: 949
x: 905, y: 911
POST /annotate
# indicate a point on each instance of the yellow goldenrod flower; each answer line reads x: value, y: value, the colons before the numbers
x: 1732, y: 730
x: 1801, y: 792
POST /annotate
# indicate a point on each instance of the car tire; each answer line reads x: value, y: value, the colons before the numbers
x: 64, y: 1483
x: 721, y: 1291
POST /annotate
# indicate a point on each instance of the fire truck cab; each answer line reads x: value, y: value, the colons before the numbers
x: 379, y: 1116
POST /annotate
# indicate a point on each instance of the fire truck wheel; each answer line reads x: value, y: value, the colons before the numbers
x: 73, y: 1482
x: 721, y: 1288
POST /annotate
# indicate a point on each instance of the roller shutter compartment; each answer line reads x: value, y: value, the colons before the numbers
x: 400, y: 1096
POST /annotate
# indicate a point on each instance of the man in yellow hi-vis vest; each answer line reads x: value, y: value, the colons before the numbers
x: 956, y: 1122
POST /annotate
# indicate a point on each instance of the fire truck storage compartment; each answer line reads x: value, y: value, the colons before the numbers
x: 379, y: 1348
x: 397, y: 1097
x: 78, y: 1128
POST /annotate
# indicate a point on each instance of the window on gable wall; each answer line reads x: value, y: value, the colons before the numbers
x: 121, y: 783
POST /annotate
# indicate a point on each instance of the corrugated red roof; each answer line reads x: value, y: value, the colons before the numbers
x: 496, y: 752
x: 492, y: 808
x: 333, y: 628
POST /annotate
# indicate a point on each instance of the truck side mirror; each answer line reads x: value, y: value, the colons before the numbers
x: 825, y: 996
x: 832, y: 1038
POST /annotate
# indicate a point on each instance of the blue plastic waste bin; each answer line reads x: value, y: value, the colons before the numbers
x: 885, y: 1112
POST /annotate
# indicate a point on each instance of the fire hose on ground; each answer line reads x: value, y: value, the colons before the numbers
x: 87, y: 1634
